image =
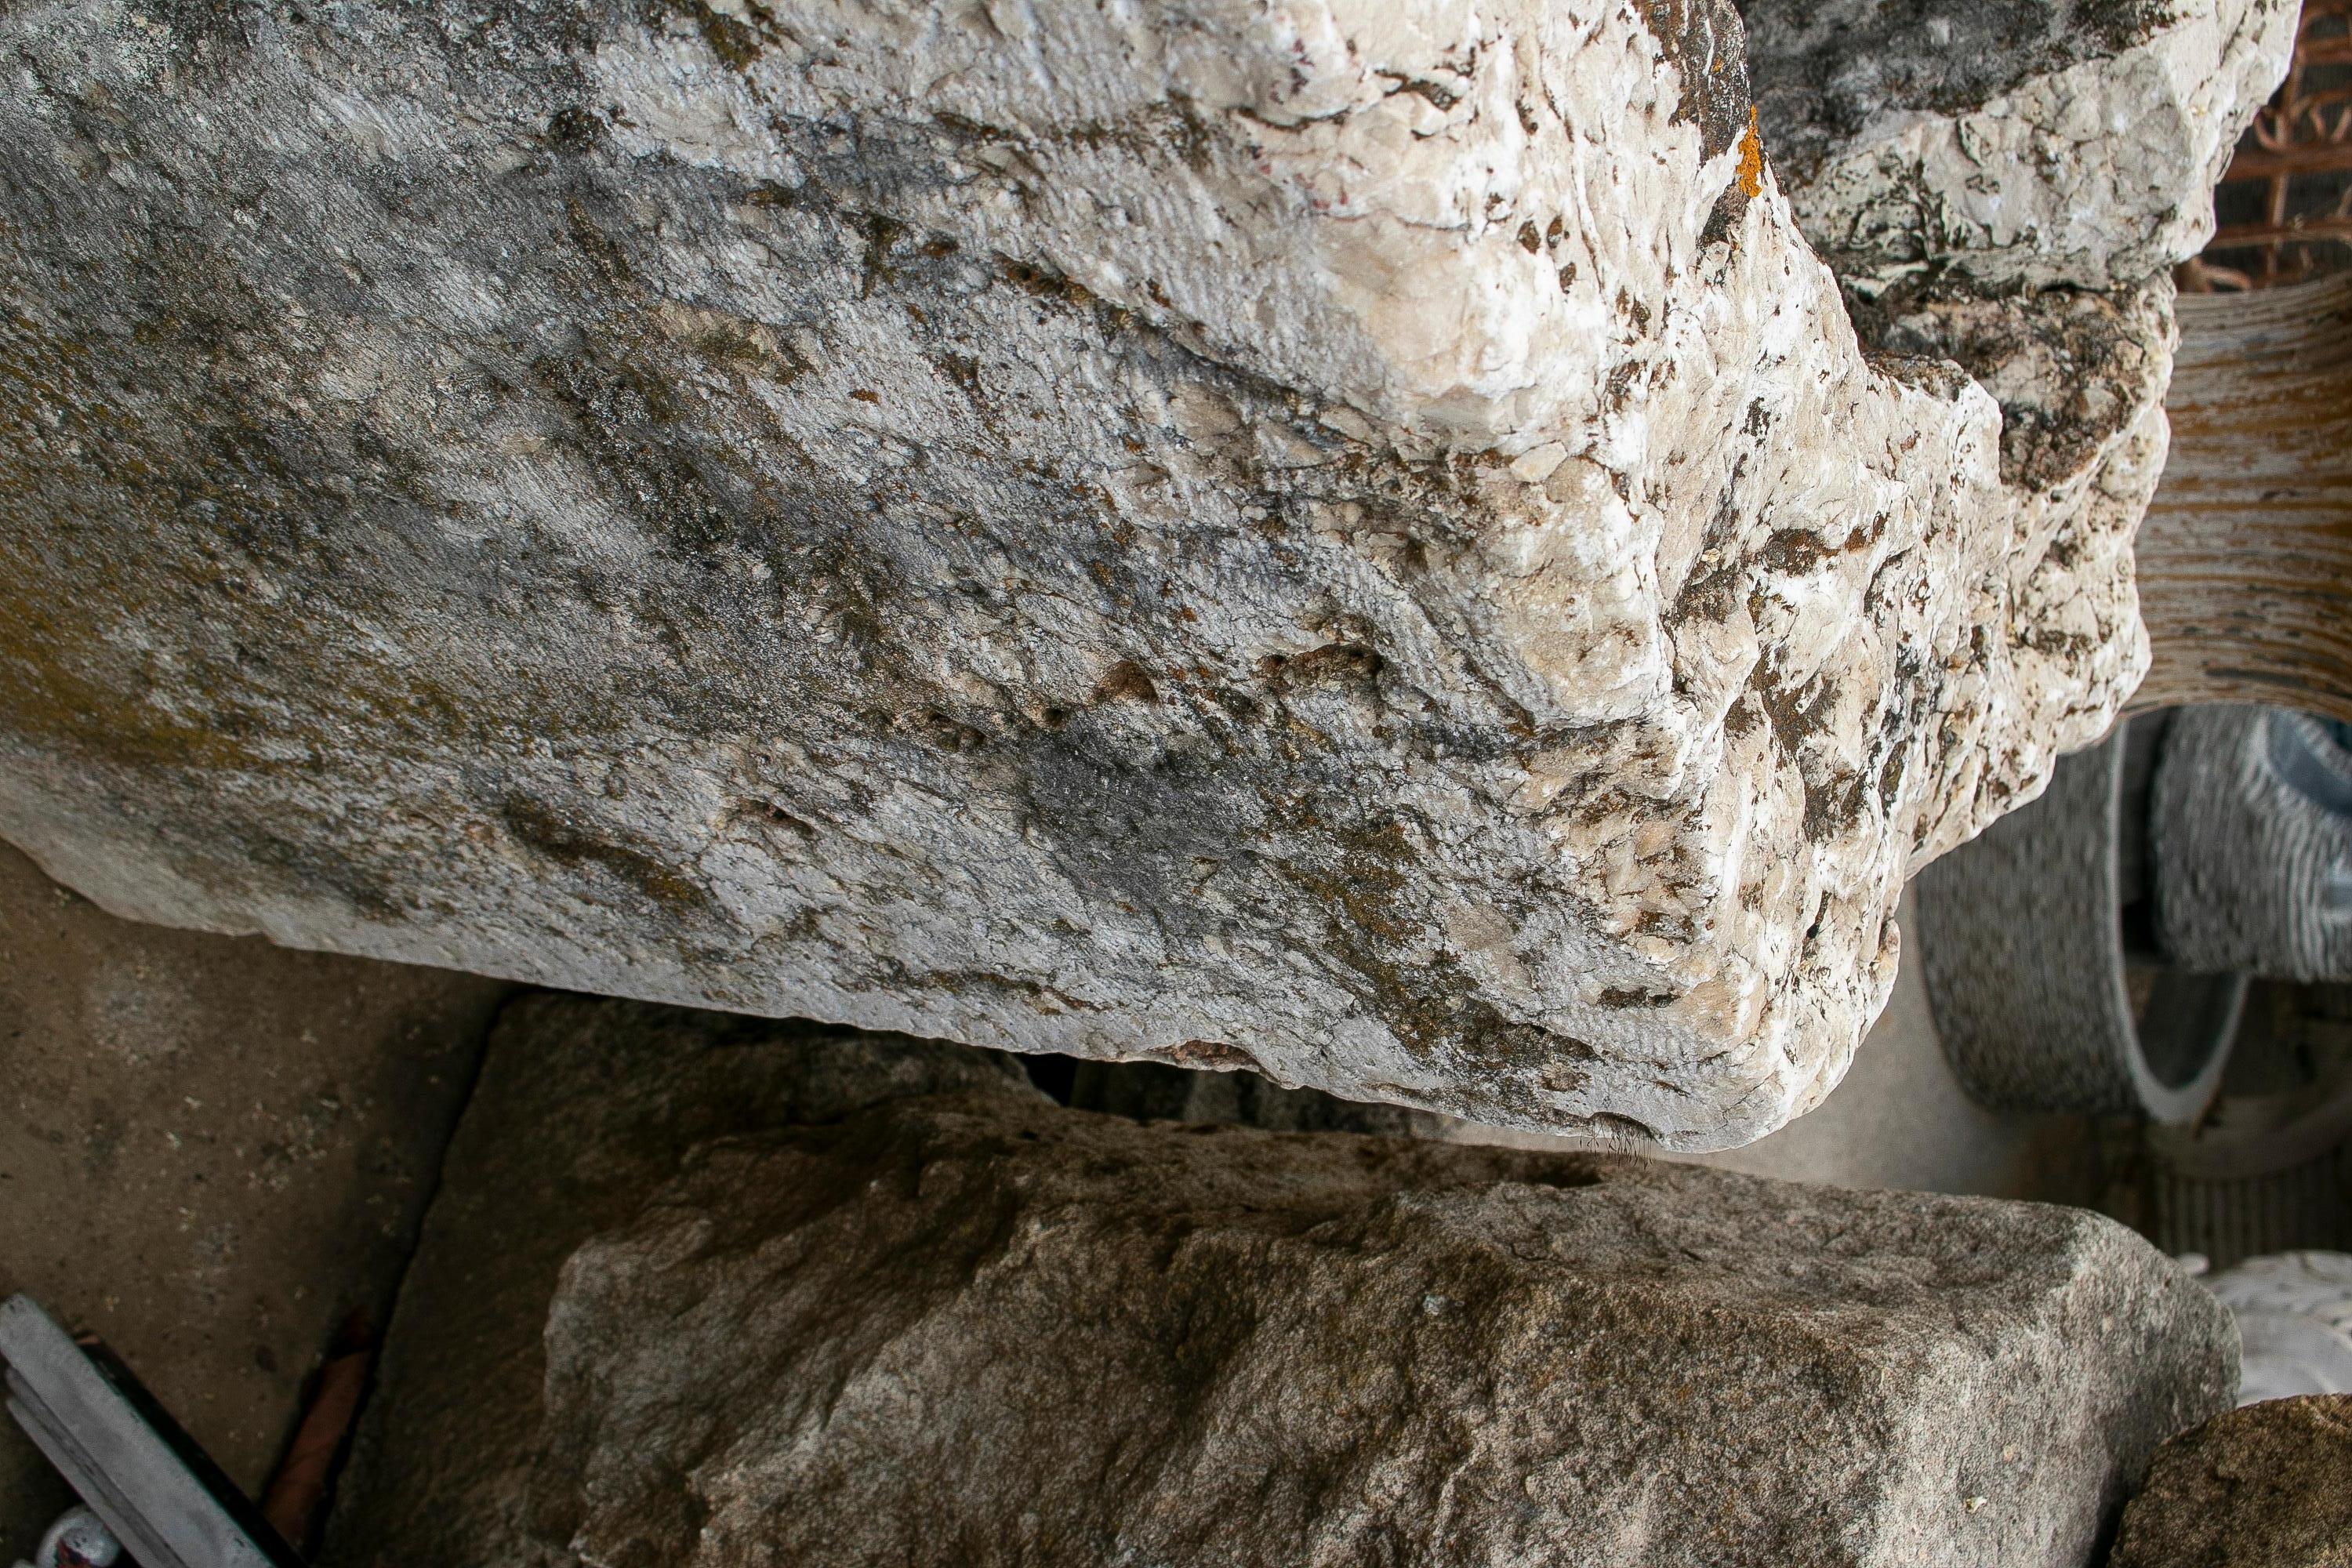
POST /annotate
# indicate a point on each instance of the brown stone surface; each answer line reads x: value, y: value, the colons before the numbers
x: 979, y: 1329
x: 2269, y: 1486
x: 211, y: 1149
x: 584, y: 1108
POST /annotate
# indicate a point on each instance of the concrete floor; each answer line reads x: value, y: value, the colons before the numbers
x: 211, y: 1150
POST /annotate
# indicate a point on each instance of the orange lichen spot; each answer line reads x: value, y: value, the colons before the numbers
x: 1751, y: 155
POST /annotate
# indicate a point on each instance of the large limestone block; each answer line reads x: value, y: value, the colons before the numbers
x: 1348, y: 537
x: 977, y: 1328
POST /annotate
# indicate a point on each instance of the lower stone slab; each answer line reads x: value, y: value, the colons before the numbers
x: 2269, y: 1486
x: 583, y: 1110
x: 704, y: 1290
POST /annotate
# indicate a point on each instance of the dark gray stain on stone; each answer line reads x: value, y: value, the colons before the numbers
x: 1822, y: 68
x: 1706, y: 42
x: 2070, y: 367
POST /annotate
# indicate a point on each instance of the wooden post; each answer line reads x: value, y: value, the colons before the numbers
x: 2246, y: 560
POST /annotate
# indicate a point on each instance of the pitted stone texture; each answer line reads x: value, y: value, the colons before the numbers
x: 1351, y: 535
x: 2269, y: 1486
x: 584, y: 1108
x: 2005, y: 187
x: 2081, y: 378
x: 2072, y: 370
x: 2023, y: 142
x: 989, y: 1330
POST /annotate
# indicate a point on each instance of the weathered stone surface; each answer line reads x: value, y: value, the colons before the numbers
x: 584, y: 1108
x: 1352, y: 535
x: 2029, y: 142
x: 2269, y: 1486
x: 978, y: 1328
x: 2006, y: 187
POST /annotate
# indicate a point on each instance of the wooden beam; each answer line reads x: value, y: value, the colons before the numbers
x: 2295, y: 158
x: 2275, y: 233
x: 2246, y: 560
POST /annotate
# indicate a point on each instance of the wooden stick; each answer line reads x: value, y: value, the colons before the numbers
x: 298, y: 1491
x: 2302, y: 158
x: 2281, y: 232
